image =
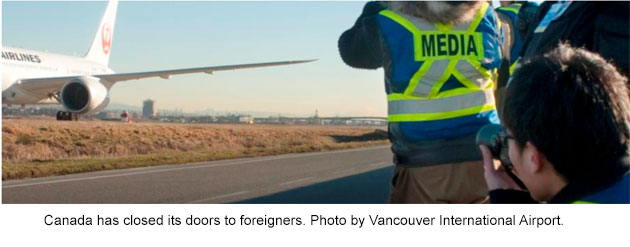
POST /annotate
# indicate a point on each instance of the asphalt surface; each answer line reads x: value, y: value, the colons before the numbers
x: 346, y: 176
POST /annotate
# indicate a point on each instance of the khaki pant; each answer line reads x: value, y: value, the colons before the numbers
x: 447, y: 183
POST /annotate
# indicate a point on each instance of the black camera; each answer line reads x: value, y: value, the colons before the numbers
x: 495, y: 138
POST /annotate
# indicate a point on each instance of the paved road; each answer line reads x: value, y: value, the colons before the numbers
x: 346, y: 176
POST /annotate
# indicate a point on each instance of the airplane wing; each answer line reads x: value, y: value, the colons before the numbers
x: 209, y: 70
x: 46, y: 86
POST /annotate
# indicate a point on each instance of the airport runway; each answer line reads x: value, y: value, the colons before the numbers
x: 346, y: 176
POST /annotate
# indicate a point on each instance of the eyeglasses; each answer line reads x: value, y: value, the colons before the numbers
x: 504, y: 136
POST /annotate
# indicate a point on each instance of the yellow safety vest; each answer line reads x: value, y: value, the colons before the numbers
x: 446, y: 51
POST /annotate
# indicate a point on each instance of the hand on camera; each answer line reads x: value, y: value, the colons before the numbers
x: 496, y: 176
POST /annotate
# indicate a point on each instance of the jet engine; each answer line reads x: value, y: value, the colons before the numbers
x: 84, y: 95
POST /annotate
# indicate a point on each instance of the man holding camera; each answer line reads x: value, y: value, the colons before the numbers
x: 440, y: 61
x: 567, y: 126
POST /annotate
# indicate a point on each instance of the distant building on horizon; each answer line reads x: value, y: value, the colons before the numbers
x: 148, y: 109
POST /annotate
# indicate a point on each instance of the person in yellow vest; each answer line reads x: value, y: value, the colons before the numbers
x: 440, y: 61
x: 514, y: 24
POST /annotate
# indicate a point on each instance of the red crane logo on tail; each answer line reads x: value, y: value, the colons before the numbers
x: 106, y: 38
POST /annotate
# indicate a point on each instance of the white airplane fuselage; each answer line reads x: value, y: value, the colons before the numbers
x: 19, y: 64
x: 80, y: 84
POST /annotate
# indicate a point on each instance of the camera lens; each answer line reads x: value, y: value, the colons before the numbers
x: 489, y: 135
x: 494, y: 137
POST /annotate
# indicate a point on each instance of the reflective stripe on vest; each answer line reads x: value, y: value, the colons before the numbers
x: 403, y: 109
x: 446, y: 51
x: 514, y: 8
x: 513, y: 66
x: 583, y: 202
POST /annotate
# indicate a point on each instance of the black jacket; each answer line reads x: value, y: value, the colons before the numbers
x: 361, y: 46
x: 609, y: 185
x: 600, y: 27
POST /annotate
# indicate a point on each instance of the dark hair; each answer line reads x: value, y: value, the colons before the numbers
x: 574, y: 107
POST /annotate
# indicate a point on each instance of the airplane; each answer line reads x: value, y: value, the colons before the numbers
x: 80, y: 84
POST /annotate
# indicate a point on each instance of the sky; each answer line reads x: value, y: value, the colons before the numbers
x: 170, y: 35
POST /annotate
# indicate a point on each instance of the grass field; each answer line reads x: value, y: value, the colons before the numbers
x: 37, y: 148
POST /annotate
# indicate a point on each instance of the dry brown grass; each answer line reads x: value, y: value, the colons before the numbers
x: 35, y: 148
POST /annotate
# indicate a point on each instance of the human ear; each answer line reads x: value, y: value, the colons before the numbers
x: 536, y: 158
